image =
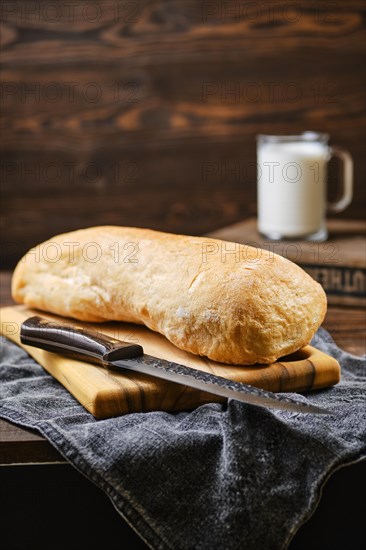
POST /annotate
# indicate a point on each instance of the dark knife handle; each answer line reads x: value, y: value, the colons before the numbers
x: 75, y: 341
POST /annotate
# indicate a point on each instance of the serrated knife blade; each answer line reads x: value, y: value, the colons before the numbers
x: 83, y: 344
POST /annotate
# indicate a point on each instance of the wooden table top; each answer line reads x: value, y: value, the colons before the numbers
x: 23, y: 446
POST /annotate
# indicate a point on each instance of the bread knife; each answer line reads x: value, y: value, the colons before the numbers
x: 91, y: 346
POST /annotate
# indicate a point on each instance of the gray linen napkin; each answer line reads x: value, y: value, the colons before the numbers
x: 227, y: 476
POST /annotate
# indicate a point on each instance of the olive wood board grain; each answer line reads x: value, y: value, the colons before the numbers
x: 106, y: 394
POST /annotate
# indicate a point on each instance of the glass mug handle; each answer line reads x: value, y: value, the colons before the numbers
x: 347, y: 194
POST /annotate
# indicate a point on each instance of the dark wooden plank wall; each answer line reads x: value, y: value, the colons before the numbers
x: 145, y: 112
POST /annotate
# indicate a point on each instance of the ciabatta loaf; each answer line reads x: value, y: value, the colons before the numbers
x: 232, y: 303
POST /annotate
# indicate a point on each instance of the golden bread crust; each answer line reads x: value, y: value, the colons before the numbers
x: 232, y: 303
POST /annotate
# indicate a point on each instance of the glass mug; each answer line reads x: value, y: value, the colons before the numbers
x: 292, y: 185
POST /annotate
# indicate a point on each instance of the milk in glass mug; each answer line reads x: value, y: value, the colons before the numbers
x: 292, y: 185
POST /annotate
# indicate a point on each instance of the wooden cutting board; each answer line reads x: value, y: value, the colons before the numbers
x: 105, y: 394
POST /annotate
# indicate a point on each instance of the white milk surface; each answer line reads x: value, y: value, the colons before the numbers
x: 292, y: 188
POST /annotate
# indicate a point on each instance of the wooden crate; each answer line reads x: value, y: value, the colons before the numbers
x: 338, y: 264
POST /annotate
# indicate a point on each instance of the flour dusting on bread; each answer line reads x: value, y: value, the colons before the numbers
x: 247, y: 307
